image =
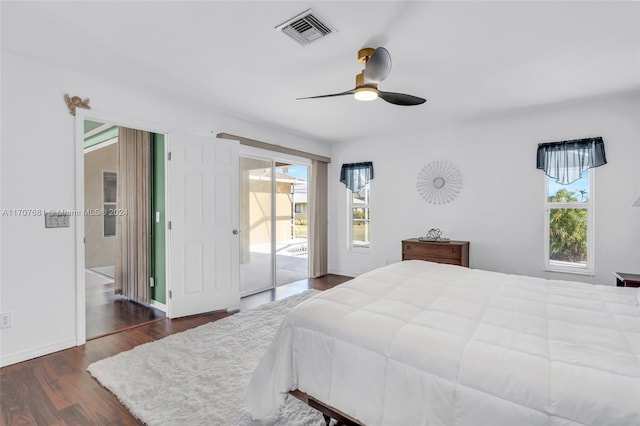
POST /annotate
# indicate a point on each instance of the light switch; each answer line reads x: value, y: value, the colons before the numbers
x: 56, y: 220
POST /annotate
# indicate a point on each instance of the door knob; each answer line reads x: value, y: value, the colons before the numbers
x: 235, y: 232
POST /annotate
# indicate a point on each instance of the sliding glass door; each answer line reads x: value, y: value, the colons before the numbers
x: 273, y: 224
x: 256, y: 272
x: 291, y: 242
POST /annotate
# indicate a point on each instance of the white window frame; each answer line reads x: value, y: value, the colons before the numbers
x: 107, y: 205
x: 564, y: 267
x: 350, y: 207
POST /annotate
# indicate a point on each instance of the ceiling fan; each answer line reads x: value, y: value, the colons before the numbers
x: 377, y: 66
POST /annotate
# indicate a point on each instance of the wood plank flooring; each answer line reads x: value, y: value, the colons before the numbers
x: 107, y: 312
x: 56, y: 389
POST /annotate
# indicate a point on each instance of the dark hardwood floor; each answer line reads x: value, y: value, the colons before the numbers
x: 56, y: 389
x: 107, y: 312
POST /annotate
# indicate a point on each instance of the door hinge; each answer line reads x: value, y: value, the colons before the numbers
x: 170, y: 295
x: 169, y: 225
x: 169, y: 156
x: 151, y: 282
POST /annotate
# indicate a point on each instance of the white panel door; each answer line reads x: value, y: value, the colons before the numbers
x: 203, y: 212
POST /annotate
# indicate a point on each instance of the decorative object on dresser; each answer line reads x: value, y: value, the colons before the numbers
x: 451, y: 252
x: 434, y: 234
x: 624, y: 279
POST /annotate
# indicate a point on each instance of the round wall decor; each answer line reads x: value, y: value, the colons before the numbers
x: 439, y: 182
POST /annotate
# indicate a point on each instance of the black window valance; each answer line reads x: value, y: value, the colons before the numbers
x: 566, y: 161
x: 356, y: 176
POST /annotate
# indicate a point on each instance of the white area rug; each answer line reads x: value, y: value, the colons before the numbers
x: 199, y: 376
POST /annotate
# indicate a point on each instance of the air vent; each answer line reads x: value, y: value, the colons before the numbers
x: 305, y: 28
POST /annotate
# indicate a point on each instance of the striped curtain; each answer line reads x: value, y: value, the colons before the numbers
x: 318, y: 257
x: 133, y: 223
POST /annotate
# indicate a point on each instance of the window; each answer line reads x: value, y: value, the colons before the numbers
x: 569, y: 225
x: 109, y: 185
x: 359, y: 218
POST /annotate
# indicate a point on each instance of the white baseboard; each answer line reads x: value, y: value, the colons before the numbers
x: 36, y: 352
x: 344, y: 273
x: 159, y: 306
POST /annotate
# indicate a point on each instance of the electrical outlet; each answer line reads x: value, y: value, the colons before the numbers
x: 5, y: 320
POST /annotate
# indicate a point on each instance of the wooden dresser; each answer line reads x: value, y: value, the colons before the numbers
x: 452, y: 252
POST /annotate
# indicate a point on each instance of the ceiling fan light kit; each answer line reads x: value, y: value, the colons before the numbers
x: 377, y: 66
x: 365, y: 92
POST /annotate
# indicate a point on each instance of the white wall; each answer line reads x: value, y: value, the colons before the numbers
x: 37, y: 269
x: 500, y: 209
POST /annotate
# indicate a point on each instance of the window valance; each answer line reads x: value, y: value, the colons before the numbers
x: 566, y: 161
x: 356, y: 176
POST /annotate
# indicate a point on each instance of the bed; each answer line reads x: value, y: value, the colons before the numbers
x: 421, y: 343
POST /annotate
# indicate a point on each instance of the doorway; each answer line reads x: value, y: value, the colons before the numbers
x: 107, y: 310
x: 273, y: 223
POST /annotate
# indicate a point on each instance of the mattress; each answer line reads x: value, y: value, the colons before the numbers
x: 420, y: 343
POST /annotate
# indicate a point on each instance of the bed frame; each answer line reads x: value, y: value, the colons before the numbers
x: 327, y: 411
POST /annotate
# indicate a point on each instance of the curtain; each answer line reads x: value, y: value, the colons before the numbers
x: 133, y: 229
x: 356, y: 176
x: 318, y: 262
x: 566, y: 161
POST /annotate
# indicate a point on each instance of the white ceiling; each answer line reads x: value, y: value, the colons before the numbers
x: 469, y: 59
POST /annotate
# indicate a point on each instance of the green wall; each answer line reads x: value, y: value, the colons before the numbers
x: 158, y: 292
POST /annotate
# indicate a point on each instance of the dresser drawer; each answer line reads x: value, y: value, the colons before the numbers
x: 453, y: 252
x: 432, y: 250
x: 449, y: 261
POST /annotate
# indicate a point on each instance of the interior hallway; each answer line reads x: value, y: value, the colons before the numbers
x: 107, y: 312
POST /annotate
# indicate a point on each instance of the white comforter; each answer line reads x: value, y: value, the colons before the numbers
x: 419, y: 343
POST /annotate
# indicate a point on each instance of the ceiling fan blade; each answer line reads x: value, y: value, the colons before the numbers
x: 378, y: 66
x: 400, y: 98
x: 348, y: 92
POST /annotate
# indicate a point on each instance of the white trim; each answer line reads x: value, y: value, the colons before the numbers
x: 118, y: 120
x: 350, y: 206
x: 167, y: 218
x: 567, y: 267
x: 167, y: 232
x: 37, y: 352
x: 104, y: 202
x: 159, y: 306
x: 81, y: 326
x: 114, y: 120
x: 101, y: 145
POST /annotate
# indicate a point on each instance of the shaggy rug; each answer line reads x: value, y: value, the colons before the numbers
x: 199, y: 376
